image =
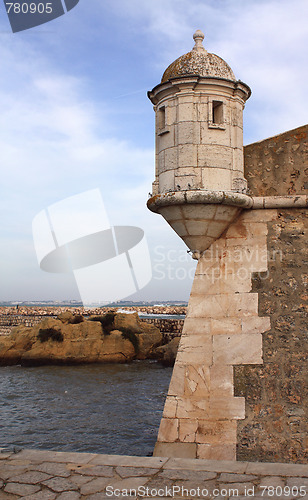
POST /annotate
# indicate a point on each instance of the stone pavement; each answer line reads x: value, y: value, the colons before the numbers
x: 49, y: 475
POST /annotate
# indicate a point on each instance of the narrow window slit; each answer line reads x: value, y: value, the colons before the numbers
x: 217, y: 113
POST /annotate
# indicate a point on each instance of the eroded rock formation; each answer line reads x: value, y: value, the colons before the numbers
x: 69, y: 339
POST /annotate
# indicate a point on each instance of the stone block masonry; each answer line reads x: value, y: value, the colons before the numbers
x: 8, y: 321
x: 223, y: 329
x: 239, y: 387
x: 275, y: 427
x: 278, y: 166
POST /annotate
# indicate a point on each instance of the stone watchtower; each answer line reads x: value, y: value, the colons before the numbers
x: 200, y: 190
x: 199, y: 146
x: 237, y: 384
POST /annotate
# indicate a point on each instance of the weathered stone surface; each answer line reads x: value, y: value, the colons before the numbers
x: 66, y: 317
x: 80, y: 480
x: 97, y: 485
x: 95, y: 470
x: 135, y: 471
x: 69, y: 495
x: 187, y: 474
x: 53, y: 469
x: 59, y: 484
x: 21, y: 489
x: 235, y: 478
x: 14, y: 345
x: 274, y: 428
x: 278, y: 166
x: 32, y: 477
x: 167, y: 353
x: 7, y: 470
x: 41, y: 495
x: 222, y: 329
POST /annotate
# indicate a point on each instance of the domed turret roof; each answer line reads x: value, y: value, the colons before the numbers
x: 199, y: 62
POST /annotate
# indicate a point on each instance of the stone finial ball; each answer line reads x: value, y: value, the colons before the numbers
x: 198, y: 34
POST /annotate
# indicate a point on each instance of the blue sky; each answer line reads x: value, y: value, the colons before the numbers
x: 74, y: 115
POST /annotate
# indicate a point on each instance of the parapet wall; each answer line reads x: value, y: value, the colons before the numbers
x: 278, y: 166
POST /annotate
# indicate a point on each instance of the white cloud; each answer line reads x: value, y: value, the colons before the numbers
x: 263, y: 41
x: 59, y: 135
x: 53, y: 144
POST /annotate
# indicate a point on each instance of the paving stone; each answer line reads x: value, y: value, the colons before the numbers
x: 277, y: 497
x: 100, y: 496
x: 56, y: 456
x: 41, y: 495
x: 135, y: 471
x: 60, y: 484
x: 235, y: 489
x: 126, y: 461
x: 240, y: 497
x: 80, y: 480
x: 193, y: 489
x: 54, y: 469
x: 35, y: 455
x: 272, y: 481
x: 273, y: 469
x: 19, y: 463
x: 8, y: 496
x: 96, y: 470
x: 7, y: 471
x: 69, y: 495
x: 130, y: 483
x: 187, y: 474
x: 158, y: 483
x: 95, y: 486
x: 206, y: 465
x: 78, y: 458
x: 21, y: 489
x: 31, y: 477
x: 235, y: 478
x: 298, y: 481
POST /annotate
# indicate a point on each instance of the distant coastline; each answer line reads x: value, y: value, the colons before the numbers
x: 55, y: 309
x: 74, y: 303
x: 168, y: 319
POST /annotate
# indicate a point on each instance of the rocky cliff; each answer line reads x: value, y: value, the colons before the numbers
x: 69, y: 339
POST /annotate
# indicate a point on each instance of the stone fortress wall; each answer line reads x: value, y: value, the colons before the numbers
x: 238, y: 385
x: 275, y: 426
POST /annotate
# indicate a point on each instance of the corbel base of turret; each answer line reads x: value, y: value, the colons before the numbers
x: 199, y: 217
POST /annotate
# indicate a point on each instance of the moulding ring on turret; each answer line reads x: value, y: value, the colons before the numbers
x: 199, y: 197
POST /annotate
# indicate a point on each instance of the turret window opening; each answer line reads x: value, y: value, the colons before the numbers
x: 161, y: 121
x: 162, y: 118
x: 217, y: 113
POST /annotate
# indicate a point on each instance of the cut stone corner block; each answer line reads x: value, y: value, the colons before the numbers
x: 222, y: 329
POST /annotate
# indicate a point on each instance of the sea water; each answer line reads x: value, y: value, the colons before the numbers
x: 111, y: 408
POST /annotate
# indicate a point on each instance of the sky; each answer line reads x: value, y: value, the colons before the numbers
x: 74, y: 116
